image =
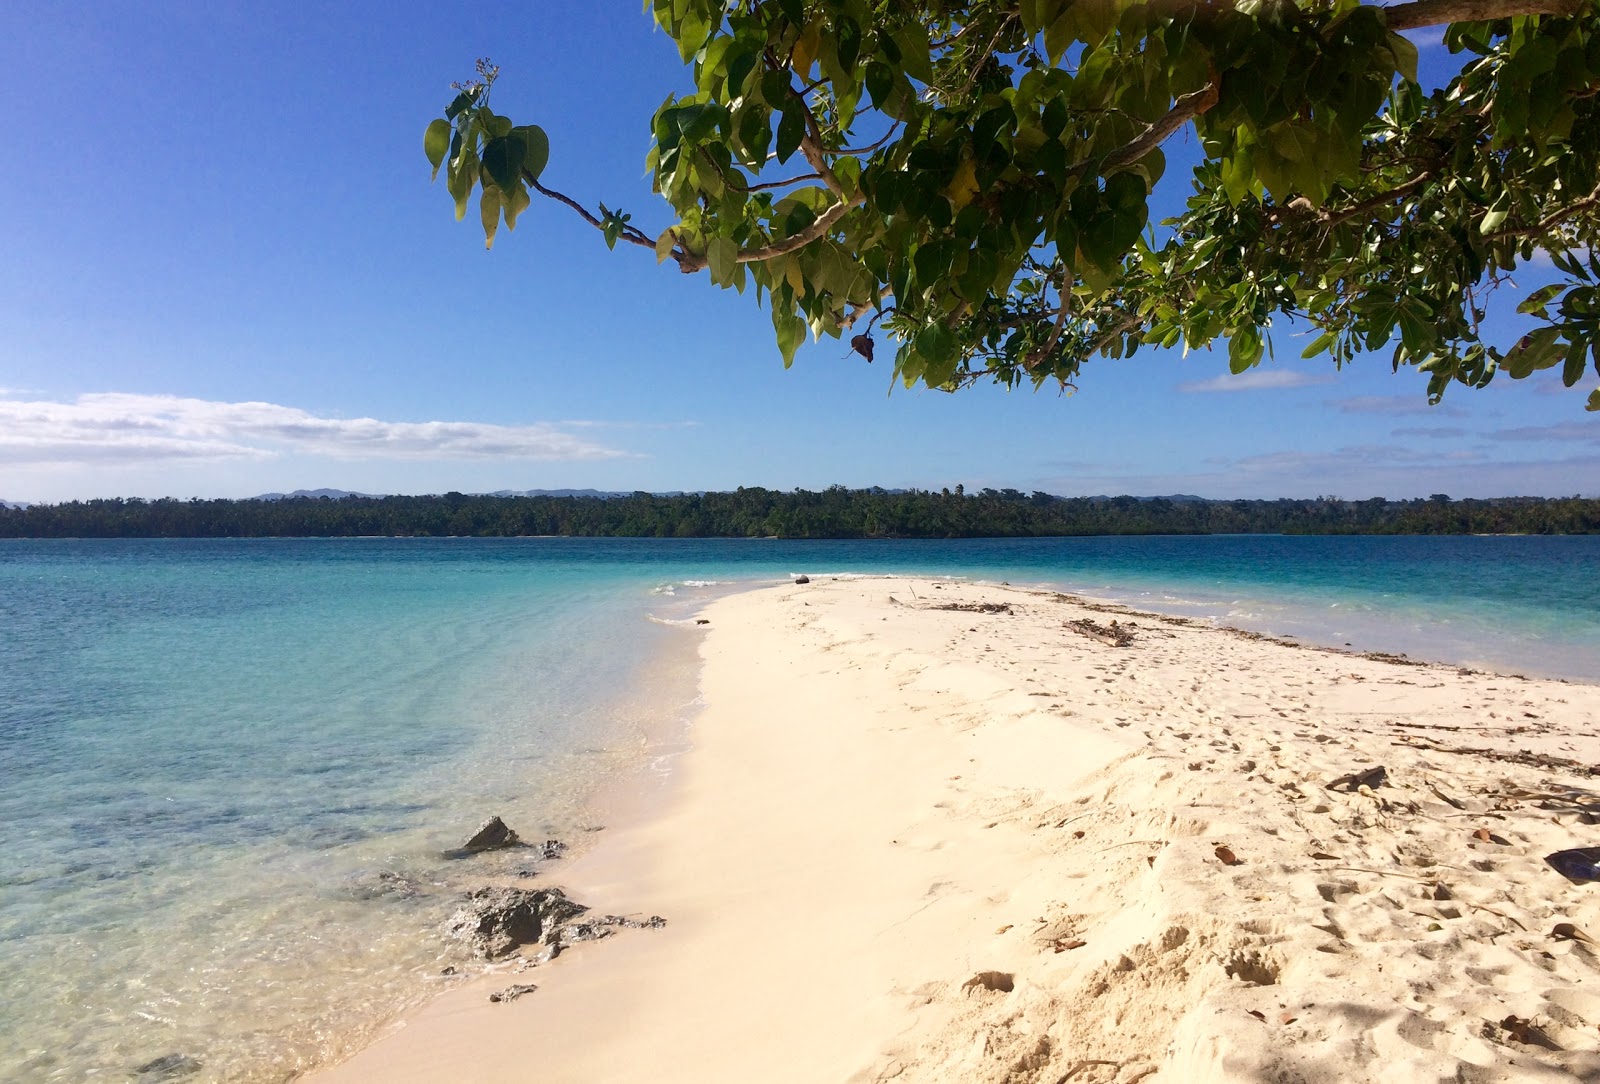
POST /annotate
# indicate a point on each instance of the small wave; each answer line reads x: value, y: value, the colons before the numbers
x: 674, y: 622
x: 701, y: 583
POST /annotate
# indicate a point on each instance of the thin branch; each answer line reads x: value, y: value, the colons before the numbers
x: 1183, y: 110
x: 1551, y: 220
x: 811, y: 147
x: 820, y: 227
x: 1333, y: 218
x: 858, y: 309
x: 762, y: 187
x: 994, y: 42
x: 870, y: 147
x: 1122, y: 327
x: 1065, y: 293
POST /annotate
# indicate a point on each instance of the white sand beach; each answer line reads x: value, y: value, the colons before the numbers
x: 928, y: 831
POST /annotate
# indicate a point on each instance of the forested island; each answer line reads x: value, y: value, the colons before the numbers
x: 835, y: 512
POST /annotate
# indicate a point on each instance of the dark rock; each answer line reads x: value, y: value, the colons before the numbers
x: 166, y: 1067
x: 498, y: 921
x: 548, y: 851
x: 802, y: 579
x: 492, y: 835
x: 511, y: 993
x: 702, y: 621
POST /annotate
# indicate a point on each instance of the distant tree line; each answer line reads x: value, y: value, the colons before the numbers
x: 836, y: 512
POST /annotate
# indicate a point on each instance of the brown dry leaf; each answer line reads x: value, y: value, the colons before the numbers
x: 1566, y: 931
x: 1227, y: 857
x: 1003, y: 929
x: 1483, y: 835
x: 1077, y: 835
x: 1259, y: 1015
x: 1063, y: 946
x: 1287, y: 1018
x: 1324, y: 856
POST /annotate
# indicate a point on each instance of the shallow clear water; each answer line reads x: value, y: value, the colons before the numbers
x: 210, y: 748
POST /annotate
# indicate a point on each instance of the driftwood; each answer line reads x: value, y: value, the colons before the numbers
x: 1114, y: 635
x: 1525, y: 757
x: 975, y: 607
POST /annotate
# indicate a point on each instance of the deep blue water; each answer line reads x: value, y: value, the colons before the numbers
x: 207, y: 747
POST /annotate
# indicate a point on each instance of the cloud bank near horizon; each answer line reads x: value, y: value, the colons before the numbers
x: 107, y: 428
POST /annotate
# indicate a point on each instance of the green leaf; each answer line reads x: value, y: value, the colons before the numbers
x: 791, y: 332
x: 664, y: 245
x: 1059, y: 36
x: 1244, y: 349
x: 1536, y: 350
x: 1594, y: 400
x: 436, y: 143
x: 847, y: 38
x: 1572, y: 372
x: 722, y: 255
x: 880, y: 83
x: 514, y: 204
x: 1536, y: 301
x: 538, y: 144
x: 740, y: 62
x: 775, y: 89
x: 791, y: 129
x: 489, y: 212
x: 915, y: 54
x: 1321, y: 344
x: 462, y: 176
x: 1405, y: 56
x: 1495, y: 216
x: 502, y: 161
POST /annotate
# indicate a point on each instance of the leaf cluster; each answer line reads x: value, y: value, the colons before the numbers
x: 975, y: 178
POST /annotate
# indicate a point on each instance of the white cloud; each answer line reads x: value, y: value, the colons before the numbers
x: 1255, y: 380
x: 114, y: 427
x: 1435, y: 432
x: 1562, y: 431
x: 1395, y: 404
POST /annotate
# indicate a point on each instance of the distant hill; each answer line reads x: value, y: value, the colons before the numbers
x: 331, y: 494
x: 13, y: 504
x: 558, y: 493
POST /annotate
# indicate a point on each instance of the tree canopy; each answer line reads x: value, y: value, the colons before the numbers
x: 833, y: 513
x: 974, y: 178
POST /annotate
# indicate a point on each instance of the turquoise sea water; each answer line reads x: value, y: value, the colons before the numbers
x: 209, y: 750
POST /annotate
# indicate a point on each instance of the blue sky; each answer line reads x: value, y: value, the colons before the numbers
x: 225, y: 272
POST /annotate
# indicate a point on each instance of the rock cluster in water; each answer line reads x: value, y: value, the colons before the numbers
x: 166, y: 1068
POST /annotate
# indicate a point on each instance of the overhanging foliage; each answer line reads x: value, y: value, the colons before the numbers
x: 975, y: 178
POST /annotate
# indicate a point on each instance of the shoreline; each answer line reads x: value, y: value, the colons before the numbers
x: 850, y: 895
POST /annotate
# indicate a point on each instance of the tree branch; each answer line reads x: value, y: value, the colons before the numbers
x: 1420, y: 13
